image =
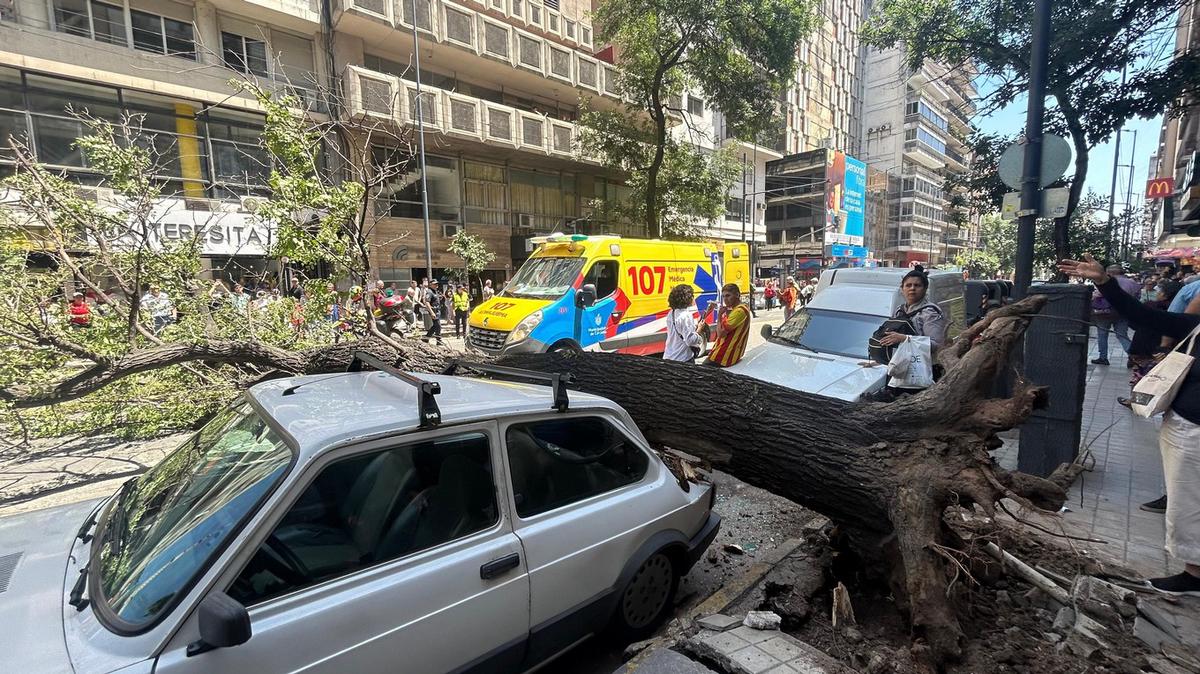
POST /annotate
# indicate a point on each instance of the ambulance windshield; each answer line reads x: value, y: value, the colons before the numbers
x: 544, y: 277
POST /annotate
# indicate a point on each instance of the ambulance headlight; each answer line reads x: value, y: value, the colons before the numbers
x: 524, y: 328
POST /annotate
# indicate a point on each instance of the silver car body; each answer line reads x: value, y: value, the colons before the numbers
x: 864, y: 295
x: 426, y: 612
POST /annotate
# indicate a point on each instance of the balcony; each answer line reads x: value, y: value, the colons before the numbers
x: 459, y: 38
x: 376, y: 96
x: 924, y: 154
x: 957, y: 242
x: 955, y: 161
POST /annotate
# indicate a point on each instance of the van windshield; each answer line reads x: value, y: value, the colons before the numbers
x: 824, y: 331
x: 544, y: 277
x: 164, y: 528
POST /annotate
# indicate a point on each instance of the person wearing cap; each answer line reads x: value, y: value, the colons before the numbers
x: 79, y: 311
x: 159, y: 306
x: 433, y: 301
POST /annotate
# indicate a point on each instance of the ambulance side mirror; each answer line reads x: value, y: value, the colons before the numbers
x: 586, y: 296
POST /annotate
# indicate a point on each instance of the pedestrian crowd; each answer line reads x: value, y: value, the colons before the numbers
x: 1164, y: 311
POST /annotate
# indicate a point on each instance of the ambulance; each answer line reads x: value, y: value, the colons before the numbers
x: 603, y: 293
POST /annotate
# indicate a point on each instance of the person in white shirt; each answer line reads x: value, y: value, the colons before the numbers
x: 488, y: 292
x: 159, y: 306
x: 683, y: 342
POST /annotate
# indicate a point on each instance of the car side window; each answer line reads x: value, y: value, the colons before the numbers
x: 373, y: 508
x: 557, y: 462
x: 604, y: 275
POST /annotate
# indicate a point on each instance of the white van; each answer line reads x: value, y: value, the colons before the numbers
x: 822, y: 348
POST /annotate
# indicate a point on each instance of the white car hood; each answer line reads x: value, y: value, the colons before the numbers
x: 32, y: 608
x: 820, y: 373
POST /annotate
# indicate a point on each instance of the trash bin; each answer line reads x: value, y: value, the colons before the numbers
x: 1055, y: 353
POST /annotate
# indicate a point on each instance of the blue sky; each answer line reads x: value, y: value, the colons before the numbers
x: 1011, y: 120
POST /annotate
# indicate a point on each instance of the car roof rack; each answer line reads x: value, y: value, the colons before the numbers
x: 557, y: 380
x: 427, y: 407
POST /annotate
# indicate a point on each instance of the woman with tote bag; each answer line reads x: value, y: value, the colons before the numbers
x: 1179, y: 439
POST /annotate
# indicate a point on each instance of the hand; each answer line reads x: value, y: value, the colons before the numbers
x: 892, y: 338
x: 1087, y: 268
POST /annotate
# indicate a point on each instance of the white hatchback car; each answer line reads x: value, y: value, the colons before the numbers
x: 361, y: 522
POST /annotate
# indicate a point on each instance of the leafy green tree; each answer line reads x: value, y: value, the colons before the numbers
x: 473, y: 252
x: 120, y: 375
x: 998, y: 237
x: 1093, y: 42
x: 979, y: 263
x: 738, y: 55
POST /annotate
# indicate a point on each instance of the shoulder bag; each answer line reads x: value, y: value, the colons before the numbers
x: 1155, y: 392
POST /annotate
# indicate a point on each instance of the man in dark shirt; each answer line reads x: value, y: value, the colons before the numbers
x: 434, y: 302
x: 1179, y: 439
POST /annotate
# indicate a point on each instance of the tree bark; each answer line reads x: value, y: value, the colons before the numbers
x: 411, y: 355
x: 883, y: 472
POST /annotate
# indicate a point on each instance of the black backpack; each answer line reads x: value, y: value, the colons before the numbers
x: 883, y: 354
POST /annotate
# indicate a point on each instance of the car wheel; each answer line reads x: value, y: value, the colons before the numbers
x: 647, y: 597
x: 564, y: 347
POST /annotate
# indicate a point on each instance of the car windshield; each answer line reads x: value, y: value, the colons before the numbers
x: 836, y: 332
x: 164, y: 527
x: 545, y: 277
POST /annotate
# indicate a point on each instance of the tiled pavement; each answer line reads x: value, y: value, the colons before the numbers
x: 1104, y: 502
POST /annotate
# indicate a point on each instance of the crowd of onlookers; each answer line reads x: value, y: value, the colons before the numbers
x: 788, y: 293
x: 419, y: 309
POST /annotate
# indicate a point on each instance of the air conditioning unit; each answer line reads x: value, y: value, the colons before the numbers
x: 526, y: 220
x: 250, y: 204
x: 450, y: 230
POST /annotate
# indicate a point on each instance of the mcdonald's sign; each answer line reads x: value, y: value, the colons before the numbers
x: 1160, y: 188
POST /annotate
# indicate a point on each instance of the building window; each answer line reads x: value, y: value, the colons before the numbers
x: 585, y: 35
x: 244, y: 54
x: 98, y: 21
x: 158, y: 34
x: 695, y: 105
x: 569, y: 29
x: 400, y: 192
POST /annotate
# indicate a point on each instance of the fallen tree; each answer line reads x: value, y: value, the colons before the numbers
x: 885, y: 473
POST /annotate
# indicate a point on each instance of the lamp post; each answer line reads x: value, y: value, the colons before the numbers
x: 421, y: 145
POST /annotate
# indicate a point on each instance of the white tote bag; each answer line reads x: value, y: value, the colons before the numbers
x: 1156, y: 391
x: 912, y: 365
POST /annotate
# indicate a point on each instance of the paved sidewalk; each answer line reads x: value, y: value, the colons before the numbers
x: 1104, y: 502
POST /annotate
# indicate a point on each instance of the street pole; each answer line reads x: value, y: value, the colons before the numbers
x: 1112, y: 192
x: 1128, y: 239
x: 421, y: 145
x: 1031, y: 174
x: 743, y: 208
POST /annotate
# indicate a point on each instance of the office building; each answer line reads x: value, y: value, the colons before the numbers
x: 915, y: 126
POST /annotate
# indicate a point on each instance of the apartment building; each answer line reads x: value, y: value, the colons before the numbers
x: 170, y: 63
x: 823, y: 105
x: 1178, y: 156
x: 915, y: 126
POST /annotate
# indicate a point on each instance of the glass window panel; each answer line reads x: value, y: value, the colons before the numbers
x: 256, y: 56
x: 532, y: 132
x: 560, y: 62
x: 71, y: 16
x: 587, y: 73
x: 569, y: 26
x: 530, y: 51
x: 147, y: 32
x: 11, y: 95
x: 181, y: 39
x: 53, y: 95
x: 12, y: 127
x: 241, y: 164
x: 56, y: 141
x: 428, y: 108
x: 500, y: 124
x: 108, y: 23
x: 463, y: 116
x: 458, y: 26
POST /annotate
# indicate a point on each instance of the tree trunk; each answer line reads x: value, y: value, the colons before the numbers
x: 883, y: 472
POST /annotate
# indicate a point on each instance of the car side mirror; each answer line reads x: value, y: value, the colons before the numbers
x: 224, y: 622
x: 767, y: 331
x: 586, y: 296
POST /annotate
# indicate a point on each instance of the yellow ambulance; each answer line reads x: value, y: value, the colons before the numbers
x: 603, y: 293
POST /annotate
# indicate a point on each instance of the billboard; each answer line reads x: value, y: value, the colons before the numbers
x: 846, y: 198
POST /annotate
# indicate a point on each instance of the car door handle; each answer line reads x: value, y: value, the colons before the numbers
x: 498, y: 567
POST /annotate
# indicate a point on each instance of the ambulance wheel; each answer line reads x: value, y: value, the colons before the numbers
x: 565, y: 346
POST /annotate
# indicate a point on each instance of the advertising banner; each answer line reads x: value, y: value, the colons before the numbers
x: 846, y: 198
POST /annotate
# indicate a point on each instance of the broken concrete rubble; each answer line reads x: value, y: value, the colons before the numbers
x: 748, y: 651
x: 762, y: 620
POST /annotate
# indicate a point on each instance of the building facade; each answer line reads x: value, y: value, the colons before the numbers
x: 501, y: 83
x: 915, y: 127
x: 1178, y: 157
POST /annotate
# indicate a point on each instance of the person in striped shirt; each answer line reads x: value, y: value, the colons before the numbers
x: 733, y: 328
